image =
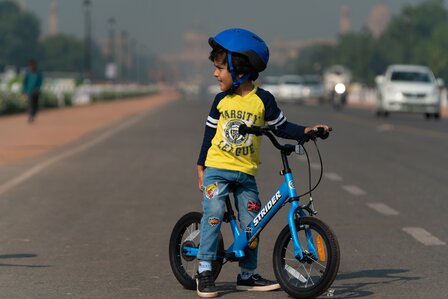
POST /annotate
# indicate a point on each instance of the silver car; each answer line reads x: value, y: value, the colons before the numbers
x: 290, y: 89
x: 408, y: 88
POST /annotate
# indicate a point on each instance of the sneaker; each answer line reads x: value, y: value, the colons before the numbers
x: 206, y: 285
x: 256, y: 283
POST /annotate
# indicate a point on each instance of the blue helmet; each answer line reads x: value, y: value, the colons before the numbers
x: 243, y: 42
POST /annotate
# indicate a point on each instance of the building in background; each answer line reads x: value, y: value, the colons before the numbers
x: 345, y: 22
x: 378, y: 19
x: 53, y: 22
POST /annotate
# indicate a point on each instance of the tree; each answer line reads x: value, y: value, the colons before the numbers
x: 355, y: 51
x: 19, y: 34
x: 314, y: 59
x: 62, y: 53
x: 419, y: 35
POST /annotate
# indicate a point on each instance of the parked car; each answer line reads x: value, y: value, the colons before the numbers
x: 271, y: 84
x: 290, y: 89
x: 408, y: 88
x: 313, y: 87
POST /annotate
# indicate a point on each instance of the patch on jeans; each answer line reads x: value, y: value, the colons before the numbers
x: 213, y: 221
x: 253, y: 206
x: 211, y: 190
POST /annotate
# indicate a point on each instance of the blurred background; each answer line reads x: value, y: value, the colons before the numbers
x: 140, y: 43
x: 87, y: 191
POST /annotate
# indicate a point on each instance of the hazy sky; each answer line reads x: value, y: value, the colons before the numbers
x: 159, y: 24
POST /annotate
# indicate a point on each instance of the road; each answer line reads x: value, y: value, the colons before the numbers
x: 95, y: 222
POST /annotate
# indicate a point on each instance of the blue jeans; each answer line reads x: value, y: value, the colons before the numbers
x: 216, y: 190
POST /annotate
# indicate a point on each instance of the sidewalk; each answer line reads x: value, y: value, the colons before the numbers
x: 56, y: 127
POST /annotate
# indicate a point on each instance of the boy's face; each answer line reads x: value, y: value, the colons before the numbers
x: 222, y: 74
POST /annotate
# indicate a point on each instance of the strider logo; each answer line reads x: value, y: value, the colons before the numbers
x: 267, y: 208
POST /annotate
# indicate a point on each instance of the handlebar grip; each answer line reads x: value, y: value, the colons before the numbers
x: 320, y: 133
x: 244, y: 129
x: 316, y: 133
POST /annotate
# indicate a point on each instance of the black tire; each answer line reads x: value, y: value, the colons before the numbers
x: 187, y: 232
x: 314, y: 275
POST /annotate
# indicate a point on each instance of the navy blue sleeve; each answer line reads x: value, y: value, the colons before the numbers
x: 290, y: 131
x: 210, y: 128
x: 274, y: 117
x: 206, y: 143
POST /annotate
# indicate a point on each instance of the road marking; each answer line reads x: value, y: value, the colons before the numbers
x: 41, y: 166
x: 384, y: 127
x: 382, y: 208
x: 333, y: 176
x: 399, y: 128
x: 423, y: 236
x: 315, y: 165
x: 355, y: 190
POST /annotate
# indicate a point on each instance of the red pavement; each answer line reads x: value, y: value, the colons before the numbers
x: 56, y: 127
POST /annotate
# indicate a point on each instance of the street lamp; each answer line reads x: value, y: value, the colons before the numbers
x: 88, y: 41
x: 111, y: 67
x: 124, y: 55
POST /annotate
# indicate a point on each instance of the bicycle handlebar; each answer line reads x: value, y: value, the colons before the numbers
x: 267, y: 130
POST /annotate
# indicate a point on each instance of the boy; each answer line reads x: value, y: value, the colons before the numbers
x: 229, y: 159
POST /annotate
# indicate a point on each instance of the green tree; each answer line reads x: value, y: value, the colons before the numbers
x: 411, y: 29
x: 315, y: 59
x: 418, y: 35
x: 19, y: 34
x: 355, y: 51
x: 436, y: 51
x: 62, y: 53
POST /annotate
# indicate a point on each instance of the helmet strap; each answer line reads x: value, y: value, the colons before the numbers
x: 235, y: 81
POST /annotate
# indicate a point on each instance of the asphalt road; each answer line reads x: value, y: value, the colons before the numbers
x: 95, y: 221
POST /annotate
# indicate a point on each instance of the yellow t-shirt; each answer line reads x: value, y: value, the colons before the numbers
x: 229, y: 150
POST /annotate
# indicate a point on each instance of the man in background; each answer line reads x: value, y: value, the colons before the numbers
x: 31, y: 87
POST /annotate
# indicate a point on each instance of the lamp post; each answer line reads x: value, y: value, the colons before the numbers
x: 111, y: 68
x: 124, y: 55
x: 88, y: 42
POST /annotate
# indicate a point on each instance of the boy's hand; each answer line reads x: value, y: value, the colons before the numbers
x: 200, y: 177
x: 325, y: 127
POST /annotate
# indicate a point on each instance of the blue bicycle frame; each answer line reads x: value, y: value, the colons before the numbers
x: 286, y: 193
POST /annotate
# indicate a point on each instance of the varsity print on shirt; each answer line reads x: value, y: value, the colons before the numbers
x: 230, y: 150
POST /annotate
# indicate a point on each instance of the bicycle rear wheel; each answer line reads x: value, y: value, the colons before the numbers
x: 315, y: 273
x: 186, y: 232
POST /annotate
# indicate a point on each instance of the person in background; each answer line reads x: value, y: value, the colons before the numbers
x: 31, y: 87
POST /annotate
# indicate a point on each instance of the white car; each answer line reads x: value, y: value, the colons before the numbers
x: 313, y: 87
x: 271, y: 84
x: 290, y: 89
x: 408, y: 88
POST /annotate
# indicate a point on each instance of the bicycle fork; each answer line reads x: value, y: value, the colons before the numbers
x: 298, y: 211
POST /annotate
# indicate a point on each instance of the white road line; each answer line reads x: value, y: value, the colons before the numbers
x: 382, y: 208
x: 355, y: 190
x: 41, y: 166
x: 385, y: 128
x: 315, y: 165
x: 423, y: 236
x: 333, y: 176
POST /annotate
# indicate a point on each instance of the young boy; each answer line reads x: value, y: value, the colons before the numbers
x: 230, y: 159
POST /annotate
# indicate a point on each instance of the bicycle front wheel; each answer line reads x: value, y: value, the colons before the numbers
x: 186, y: 233
x: 314, y: 274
